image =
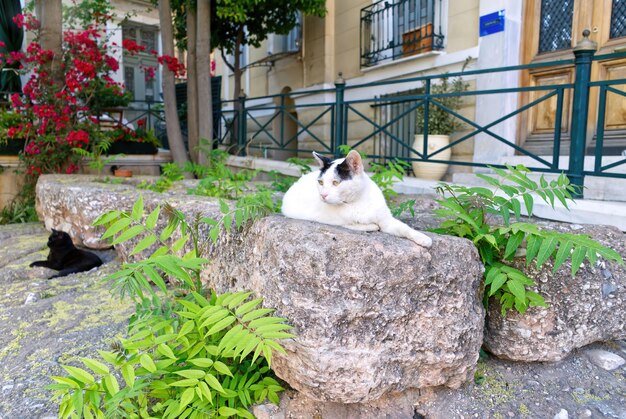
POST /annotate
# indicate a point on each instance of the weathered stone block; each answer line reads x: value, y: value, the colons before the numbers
x: 374, y: 314
x: 587, y: 308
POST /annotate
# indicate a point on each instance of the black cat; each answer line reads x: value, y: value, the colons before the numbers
x: 65, y: 257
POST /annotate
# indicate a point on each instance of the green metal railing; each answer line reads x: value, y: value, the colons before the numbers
x: 342, y: 117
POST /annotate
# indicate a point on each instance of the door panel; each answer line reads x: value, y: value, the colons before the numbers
x: 551, y: 29
x: 543, y: 115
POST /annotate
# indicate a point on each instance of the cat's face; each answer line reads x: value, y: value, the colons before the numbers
x: 59, y: 239
x: 339, y: 181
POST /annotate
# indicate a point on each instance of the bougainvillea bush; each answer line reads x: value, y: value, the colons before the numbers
x: 60, y: 107
x: 54, y: 108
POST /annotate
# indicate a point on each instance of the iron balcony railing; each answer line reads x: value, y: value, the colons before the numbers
x: 395, y: 29
x: 324, y: 120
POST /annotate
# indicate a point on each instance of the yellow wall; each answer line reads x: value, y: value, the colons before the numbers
x: 462, y: 24
x: 347, y: 33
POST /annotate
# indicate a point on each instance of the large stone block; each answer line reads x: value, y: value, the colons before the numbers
x: 72, y: 203
x: 374, y: 314
x: 587, y: 308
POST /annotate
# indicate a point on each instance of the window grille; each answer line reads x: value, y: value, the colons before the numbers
x: 129, y: 79
x: 618, y: 19
x: 555, y: 25
x: 392, y: 30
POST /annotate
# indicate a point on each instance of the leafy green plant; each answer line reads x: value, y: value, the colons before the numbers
x: 189, y: 353
x: 219, y: 181
x: 281, y: 182
x: 484, y: 216
x: 94, y: 157
x: 440, y: 122
x: 19, y: 210
x: 170, y: 173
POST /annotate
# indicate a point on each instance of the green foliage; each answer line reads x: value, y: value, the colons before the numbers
x: 19, y: 210
x: 475, y: 213
x: 94, y: 156
x: 387, y: 175
x: 8, y: 120
x: 281, y: 182
x: 440, y: 122
x: 199, y: 355
x: 170, y: 173
x: 221, y: 182
x: 212, y: 358
x: 260, y: 18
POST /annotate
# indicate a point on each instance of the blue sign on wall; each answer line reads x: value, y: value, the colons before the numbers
x: 492, y: 23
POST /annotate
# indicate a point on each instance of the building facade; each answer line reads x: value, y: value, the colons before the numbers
x: 384, y: 42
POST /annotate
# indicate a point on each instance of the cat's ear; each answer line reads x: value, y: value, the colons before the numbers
x: 321, y: 160
x: 354, y: 161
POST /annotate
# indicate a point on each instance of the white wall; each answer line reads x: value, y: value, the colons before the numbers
x: 498, y: 50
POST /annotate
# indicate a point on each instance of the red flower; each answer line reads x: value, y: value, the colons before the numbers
x: 78, y: 138
x: 11, y: 132
x: 132, y: 47
x: 72, y: 168
x: 172, y: 64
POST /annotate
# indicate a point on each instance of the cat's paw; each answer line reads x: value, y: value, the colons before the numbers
x: 421, y: 239
x: 38, y: 263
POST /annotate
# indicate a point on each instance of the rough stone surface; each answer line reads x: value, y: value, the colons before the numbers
x: 588, y: 308
x: 501, y: 388
x: 401, y: 316
x: 48, y: 322
x: 374, y: 314
x: 73, y: 203
x: 605, y: 359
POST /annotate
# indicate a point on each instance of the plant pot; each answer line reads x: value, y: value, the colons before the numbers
x: 123, y: 173
x: 433, y: 171
x: 131, y: 147
x: 12, y: 147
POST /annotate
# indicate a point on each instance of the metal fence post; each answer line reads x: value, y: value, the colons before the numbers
x: 583, y: 53
x: 339, y: 128
x: 242, y: 131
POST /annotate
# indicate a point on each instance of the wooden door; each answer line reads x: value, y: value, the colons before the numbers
x: 551, y: 30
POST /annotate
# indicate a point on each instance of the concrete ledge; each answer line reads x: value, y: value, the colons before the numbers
x: 584, y: 211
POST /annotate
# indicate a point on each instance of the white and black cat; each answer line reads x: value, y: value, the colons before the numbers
x: 65, y: 257
x: 341, y: 193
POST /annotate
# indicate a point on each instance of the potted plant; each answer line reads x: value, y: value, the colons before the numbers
x: 125, y: 140
x: 440, y: 125
x: 11, y: 139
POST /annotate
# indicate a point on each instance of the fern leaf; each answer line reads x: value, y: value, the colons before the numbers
x: 237, y: 299
x: 562, y: 254
x: 106, y: 218
x: 517, y: 289
x: 143, y: 244
x: 137, y: 212
x: 546, y: 250
x: 513, y: 243
x: 152, y: 219
x: 247, y: 307
x: 489, y: 179
x: 222, y: 324
x: 528, y: 203
x: 116, y: 227
x: 517, y: 209
x: 214, y: 318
